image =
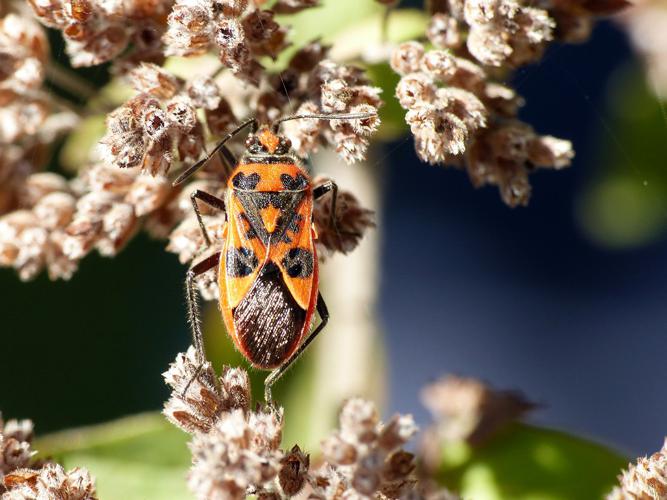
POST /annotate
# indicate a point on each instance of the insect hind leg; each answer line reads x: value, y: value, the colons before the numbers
x: 193, y: 310
x: 276, y: 374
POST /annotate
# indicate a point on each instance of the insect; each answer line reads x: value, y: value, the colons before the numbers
x: 267, y: 267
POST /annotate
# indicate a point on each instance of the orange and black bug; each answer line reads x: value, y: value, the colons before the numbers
x: 267, y: 268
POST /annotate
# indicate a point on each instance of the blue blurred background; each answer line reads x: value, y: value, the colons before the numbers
x: 522, y: 298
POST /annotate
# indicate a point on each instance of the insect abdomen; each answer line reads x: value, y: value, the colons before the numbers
x: 269, y: 322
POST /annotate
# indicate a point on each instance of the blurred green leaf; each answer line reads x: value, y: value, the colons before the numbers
x: 356, y: 39
x: 530, y: 463
x: 392, y: 114
x: 77, y: 148
x: 338, y: 15
x: 625, y: 204
x: 137, y: 457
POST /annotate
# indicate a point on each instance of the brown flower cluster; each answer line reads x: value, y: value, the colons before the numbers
x: 29, y: 118
x: 236, y: 451
x: 645, y: 480
x: 240, y: 32
x: 466, y: 409
x: 22, y: 478
x: 62, y: 221
x: 458, y: 109
x: 160, y: 124
x: 97, y: 31
x: 332, y: 88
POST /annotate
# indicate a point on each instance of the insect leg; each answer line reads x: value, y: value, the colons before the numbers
x: 320, y: 191
x: 275, y: 375
x: 210, y: 200
x: 193, y: 309
x: 228, y: 160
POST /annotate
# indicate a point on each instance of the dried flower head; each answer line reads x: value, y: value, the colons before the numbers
x: 52, y: 482
x: 457, y: 114
x: 343, y: 231
x: 199, y: 397
x: 365, y: 459
x: 645, y: 480
x: 467, y: 409
x: 239, y: 454
x: 21, y: 478
x: 160, y: 123
x: 15, y: 448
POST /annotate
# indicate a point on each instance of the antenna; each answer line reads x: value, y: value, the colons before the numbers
x: 325, y: 116
x: 191, y: 170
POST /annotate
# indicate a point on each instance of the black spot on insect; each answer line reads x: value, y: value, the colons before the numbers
x: 250, y: 231
x: 245, y: 182
x: 295, y: 223
x: 294, y: 183
x: 240, y: 262
x: 298, y: 263
x: 278, y: 200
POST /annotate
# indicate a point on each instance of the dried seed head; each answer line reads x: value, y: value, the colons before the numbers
x: 235, y: 455
x: 52, y: 481
x: 406, y: 58
x: 336, y: 95
x: 188, y: 29
x: 204, y: 93
x: 230, y: 8
x: 415, y: 89
x: 549, y: 152
x: 444, y: 32
x: 364, y: 459
x: 151, y: 79
x: 644, y: 480
x: 199, y: 397
x: 440, y: 64
x: 488, y: 46
x: 55, y: 210
x: 465, y: 408
x: 350, y: 223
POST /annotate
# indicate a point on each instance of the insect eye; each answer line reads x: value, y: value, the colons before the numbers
x: 283, y: 146
x: 253, y: 145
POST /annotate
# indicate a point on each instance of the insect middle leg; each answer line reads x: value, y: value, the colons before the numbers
x: 210, y: 200
x: 276, y: 374
x: 320, y: 191
x: 193, y: 309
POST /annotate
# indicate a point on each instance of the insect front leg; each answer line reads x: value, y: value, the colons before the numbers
x: 193, y: 309
x: 276, y: 374
x: 320, y: 191
x: 210, y: 200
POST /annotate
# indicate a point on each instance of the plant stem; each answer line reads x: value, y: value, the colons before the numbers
x: 69, y: 81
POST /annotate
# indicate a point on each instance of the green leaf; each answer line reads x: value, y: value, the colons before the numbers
x: 625, y: 203
x: 392, y: 114
x: 363, y: 35
x: 76, y: 151
x: 530, y: 463
x: 137, y: 457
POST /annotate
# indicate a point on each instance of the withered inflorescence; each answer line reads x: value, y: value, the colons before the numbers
x: 24, y: 478
x: 236, y: 450
x: 50, y: 222
x: 458, y: 108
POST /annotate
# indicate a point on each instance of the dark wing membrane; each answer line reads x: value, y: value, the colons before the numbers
x: 269, y: 323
